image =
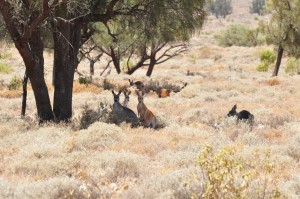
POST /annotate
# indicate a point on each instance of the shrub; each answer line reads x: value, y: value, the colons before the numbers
x: 84, y: 80
x: 292, y: 66
x: 267, y: 57
x: 262, y: 67
x: 222, y: 171
x: 15, y: 83
x: 5, y: 68
x: 226, y: 174
x: 257, y: 6
x: 107, y: 85
x: 239, y: 35
x: 220, y: 7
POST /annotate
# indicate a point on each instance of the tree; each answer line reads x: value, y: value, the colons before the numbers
x: 69, y: 21
x: 257, y: 6
x: 220, y: 7
x: 283, y: 28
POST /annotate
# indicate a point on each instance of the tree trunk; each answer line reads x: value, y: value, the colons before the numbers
x: 24, y: 96
x: 278, y: 62
x: 116, y: 60
x: 92, y: 68
x: 31, y: 49
x: 66, y: 37
x: 151, y: 65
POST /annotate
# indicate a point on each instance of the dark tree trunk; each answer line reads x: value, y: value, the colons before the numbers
x: 66, y: 46
x: 24, y: 96
x: 31, y: 50
x: 151, y: 65
x: 116, y: 60
x: 278, y: 62
x: 36, y: 77
x: 92, y: 68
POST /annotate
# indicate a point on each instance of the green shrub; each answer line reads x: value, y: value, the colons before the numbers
x: 84, y: 80
x: 239, y: 35
x: 15, y: 83
x: 262, y: 67
x: 292, y: 66
x: 107, y: 85
x: 5, y: 68
x: 267, y: 56
x: 226, y: 175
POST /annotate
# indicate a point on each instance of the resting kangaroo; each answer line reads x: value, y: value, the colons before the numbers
x: 145, y: 115
x: 123, y: 113
x: 242, y: 115
x: 126, y: 99
x: 139, y: 85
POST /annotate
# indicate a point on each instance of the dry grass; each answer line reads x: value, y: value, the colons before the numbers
x: 105, y: 160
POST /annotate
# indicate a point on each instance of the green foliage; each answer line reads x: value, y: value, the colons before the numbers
x: 267, y: 57
x: 84, y: 80
x: 228, y: 176
x: 5, y: 68
x: 220, y: 7
x: 293, y: 66
x: 257, y: 6
x: 262, y: 67
x: 15, y: 83
x: 225, y: 174
x: 239, y: 35
x: 107, y: 85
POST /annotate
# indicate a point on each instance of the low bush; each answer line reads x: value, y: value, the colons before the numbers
x: 5, y: 68
x: 239, y: 35
x: 267, y: 58
x: 84, y: 80
x: 15, y: 83
x: 226, y: 174
x: 292, y: 66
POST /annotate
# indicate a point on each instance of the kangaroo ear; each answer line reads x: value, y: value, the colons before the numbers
x: 137, y: 92
x: 234, y: 107
x: 119, y: 92
x: 129, y: 92
x: 113, y: 92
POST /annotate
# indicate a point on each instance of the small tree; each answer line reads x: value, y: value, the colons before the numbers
x: 282, y: 29
x: 257, y: 6
x: 220, y: 7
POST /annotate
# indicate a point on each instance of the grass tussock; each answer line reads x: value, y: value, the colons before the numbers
x: 90, y: 88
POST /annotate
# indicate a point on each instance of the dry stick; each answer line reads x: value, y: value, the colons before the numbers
x: 107, y: 66
x: 24, y: 97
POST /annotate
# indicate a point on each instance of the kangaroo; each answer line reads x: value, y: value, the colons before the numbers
x: 145, y: 115
x: 126, y: 99
x: 139, y: 85
x: 163, y: 92
x: 123, y: 113
x: 242, y: 115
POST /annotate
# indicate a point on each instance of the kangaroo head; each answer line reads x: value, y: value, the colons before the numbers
x: 140, y: 96
x: 232, y: 112
x: 131, y: 83
x: 116, y: 96
x: 126, y: 94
